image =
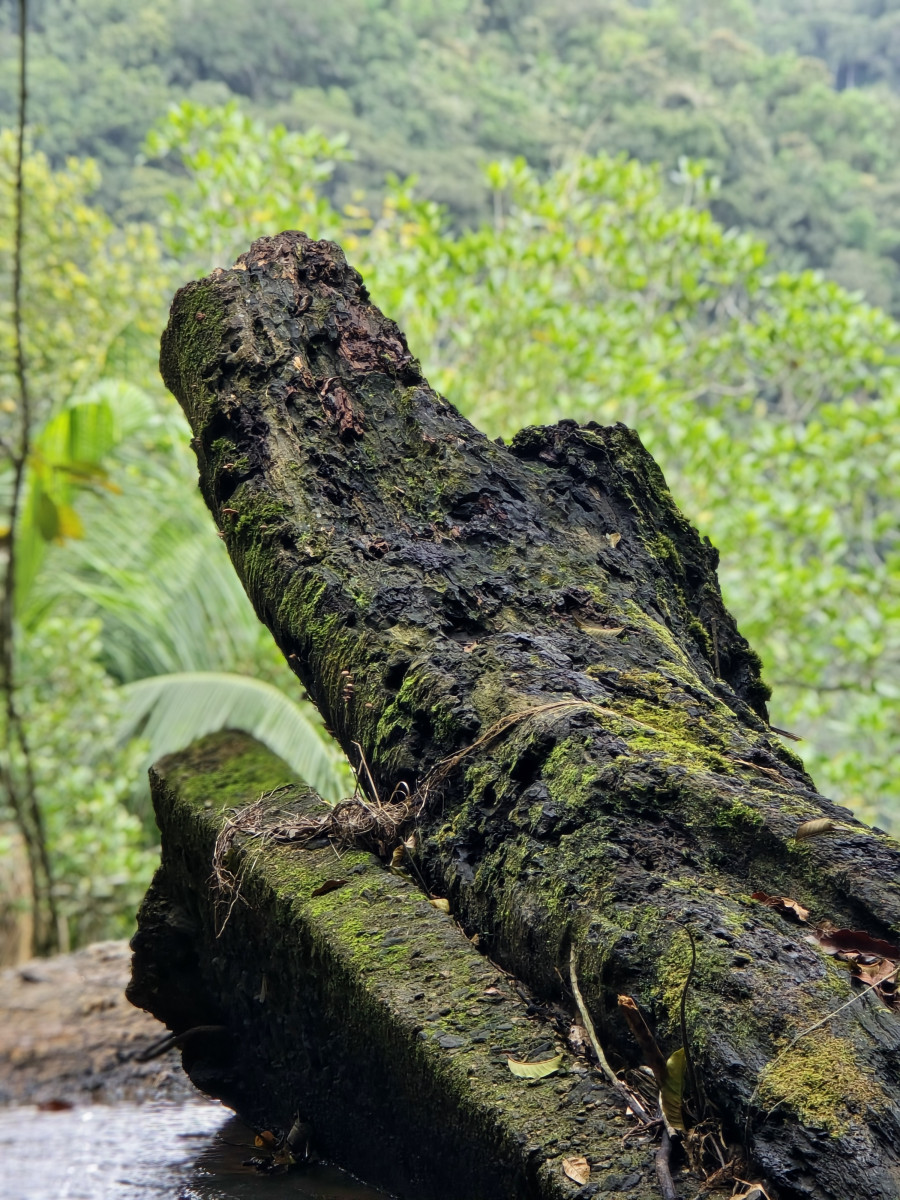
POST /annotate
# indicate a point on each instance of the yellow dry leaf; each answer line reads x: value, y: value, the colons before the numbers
x: 70, y: 525
x: 534, y: 1070
x: 578, y: 1169
x: 815, y: 828
x: 614, y: 539
x: 441, y: 905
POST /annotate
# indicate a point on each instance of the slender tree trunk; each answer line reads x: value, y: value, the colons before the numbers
x: 532, y: 639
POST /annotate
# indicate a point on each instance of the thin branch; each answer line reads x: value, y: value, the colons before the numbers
x: 630, y: 1099
x: 170, y: 1041
x: 24, y: 802
x: 663, y: 1168
x: 693, y: 1081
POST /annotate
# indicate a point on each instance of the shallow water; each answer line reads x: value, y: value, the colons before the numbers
x: 189, y: 1151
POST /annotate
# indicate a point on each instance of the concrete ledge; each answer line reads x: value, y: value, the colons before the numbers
x: 366, y: 1009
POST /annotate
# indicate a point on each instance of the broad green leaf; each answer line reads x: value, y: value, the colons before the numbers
x: 47, y: 517
x: 171, y: 711
x: 672, y: 1090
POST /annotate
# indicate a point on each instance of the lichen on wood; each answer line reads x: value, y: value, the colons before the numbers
x: 456, y: 582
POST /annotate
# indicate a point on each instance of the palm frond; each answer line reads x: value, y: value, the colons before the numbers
x: 171, y: 711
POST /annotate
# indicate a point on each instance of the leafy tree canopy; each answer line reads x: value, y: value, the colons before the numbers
x: 438, y: 87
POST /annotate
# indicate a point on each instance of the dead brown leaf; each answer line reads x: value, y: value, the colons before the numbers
x: 873, y: 962
x: 330, y: 885
x: 653, y: 1056
x: 614, y: 539
x: 440, y: 904
x: 784, y: 905
x: 833, y: 940
x: 578, y: 1169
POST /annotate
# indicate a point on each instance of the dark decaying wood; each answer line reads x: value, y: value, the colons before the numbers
x: 544, y: 613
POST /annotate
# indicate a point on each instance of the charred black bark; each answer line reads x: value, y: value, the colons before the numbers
x: 426, y: 584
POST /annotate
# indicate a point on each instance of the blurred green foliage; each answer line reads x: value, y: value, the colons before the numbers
x: 563, y: 282
x: 120, y: 575
x: 793, y: 104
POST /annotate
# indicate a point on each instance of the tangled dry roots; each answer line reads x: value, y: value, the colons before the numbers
x: 356, y: 821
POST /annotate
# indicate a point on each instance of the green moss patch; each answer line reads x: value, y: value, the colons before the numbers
x: 820, y: 1081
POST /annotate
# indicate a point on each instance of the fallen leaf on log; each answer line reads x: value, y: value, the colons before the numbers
x: 784, y: 905
x: 833, y: 940
x: 653, y: 1056
x: 614, y: 539
x: 815, y: 828
x: 578, y: 1169
x: 873, y: 962
x: 534, y: 1070
x: 330, y: 885
x: 441, y: 905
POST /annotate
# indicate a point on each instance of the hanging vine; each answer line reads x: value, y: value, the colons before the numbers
x: 18, y: 774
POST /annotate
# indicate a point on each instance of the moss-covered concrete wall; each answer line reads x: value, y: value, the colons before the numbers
x: 366, y: 1008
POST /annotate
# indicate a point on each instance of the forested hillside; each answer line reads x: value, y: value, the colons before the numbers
x: 792, y: 103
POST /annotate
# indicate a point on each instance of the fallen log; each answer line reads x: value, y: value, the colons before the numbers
x: 529, y: 643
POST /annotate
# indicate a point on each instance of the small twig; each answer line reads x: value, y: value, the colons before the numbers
x: 714, y: 622
x: 794, y: 737
x: 365, y: 767
x: 24, y: 803
x: 663, y: 1169
x: 171, y: 1040
x: 685, y: 1040
x: 627, y: 1095
x: 446, y: 765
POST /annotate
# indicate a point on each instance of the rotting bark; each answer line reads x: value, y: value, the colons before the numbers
x: 454, y: 582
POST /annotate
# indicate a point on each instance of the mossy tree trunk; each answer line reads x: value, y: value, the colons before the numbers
x: 426, y: 583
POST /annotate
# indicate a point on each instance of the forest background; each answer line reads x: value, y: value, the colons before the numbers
x: 681, y: 215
